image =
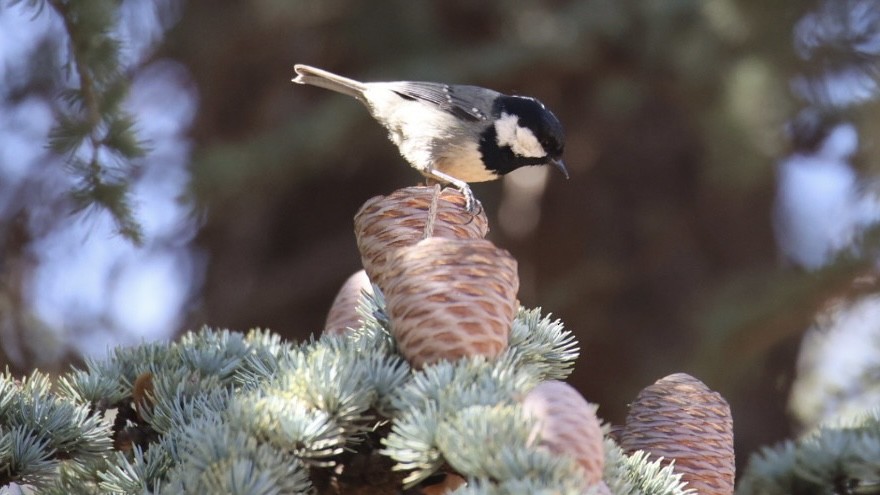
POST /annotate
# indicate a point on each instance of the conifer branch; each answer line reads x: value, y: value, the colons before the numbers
x: 94, y: 133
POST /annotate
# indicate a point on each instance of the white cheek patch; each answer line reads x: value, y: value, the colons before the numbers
x: 520, y: 140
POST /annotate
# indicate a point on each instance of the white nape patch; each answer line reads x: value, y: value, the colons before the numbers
x: 519, y: 139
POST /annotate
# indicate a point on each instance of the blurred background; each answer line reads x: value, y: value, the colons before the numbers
x: 718, y: 219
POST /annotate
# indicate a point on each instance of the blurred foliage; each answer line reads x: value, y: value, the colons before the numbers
x: 659, y: 252
x: 838, y: 457
x: 92, y: 131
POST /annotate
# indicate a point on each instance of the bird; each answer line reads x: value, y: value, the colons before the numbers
x: 455, y: 134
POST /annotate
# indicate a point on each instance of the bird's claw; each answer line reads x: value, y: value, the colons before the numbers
x: 470, y: 203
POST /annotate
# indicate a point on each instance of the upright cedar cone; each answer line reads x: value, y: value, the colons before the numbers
x: 449, y: 298
x: 386, y: 223
x: 566, y: 424
x: 679, y: 418
x: 343, y: 313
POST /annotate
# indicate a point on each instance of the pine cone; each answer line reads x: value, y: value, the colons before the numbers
x: 566, y: 424
x: 449, y: 298
x: 679, y: 418
x: 343, y: 313
x: 386, y: 223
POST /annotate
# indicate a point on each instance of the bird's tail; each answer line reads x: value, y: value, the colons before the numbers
x: 306, y: 74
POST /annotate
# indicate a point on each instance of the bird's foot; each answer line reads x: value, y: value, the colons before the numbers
x: 471, y: 204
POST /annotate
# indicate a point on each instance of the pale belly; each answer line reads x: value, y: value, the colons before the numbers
x: 466, y: 165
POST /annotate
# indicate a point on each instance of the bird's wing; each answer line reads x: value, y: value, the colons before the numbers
x: 443, y: 95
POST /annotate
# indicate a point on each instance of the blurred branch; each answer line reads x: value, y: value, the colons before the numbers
x: 94, y: 134
x: 744, y: 321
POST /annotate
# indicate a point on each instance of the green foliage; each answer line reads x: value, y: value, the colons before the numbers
x: 438, y: 393
x: 841, y: 457
x: 505, y: 452
x: 39, y: 429
x: 636, y: 474
x: 92, y: 131
x: 131, y: 474
x: 222, y: 412
x: 212, y: 456
x: 543, y: 344
x: 290, y: 424
x: 374, y: 333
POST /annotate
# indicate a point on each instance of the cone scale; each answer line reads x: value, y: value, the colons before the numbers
x: 450, y: 298
x: 385, y: 224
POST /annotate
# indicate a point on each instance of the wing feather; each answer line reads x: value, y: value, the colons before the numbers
x: 445, y: 96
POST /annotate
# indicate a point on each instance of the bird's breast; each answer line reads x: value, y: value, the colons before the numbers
x: 464, y: 162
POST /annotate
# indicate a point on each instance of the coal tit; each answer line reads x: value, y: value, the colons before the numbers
x: 451, y: 133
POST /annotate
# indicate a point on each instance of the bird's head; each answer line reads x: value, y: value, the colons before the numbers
x: 523, y: 133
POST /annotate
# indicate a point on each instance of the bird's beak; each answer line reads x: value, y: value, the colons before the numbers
x: 556, y: 162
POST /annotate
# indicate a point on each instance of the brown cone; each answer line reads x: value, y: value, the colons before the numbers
x: 566, y: 424
x: 449, y: 298
x: 343, y: 313
x: 679, y: 418
x: 386, y: 223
